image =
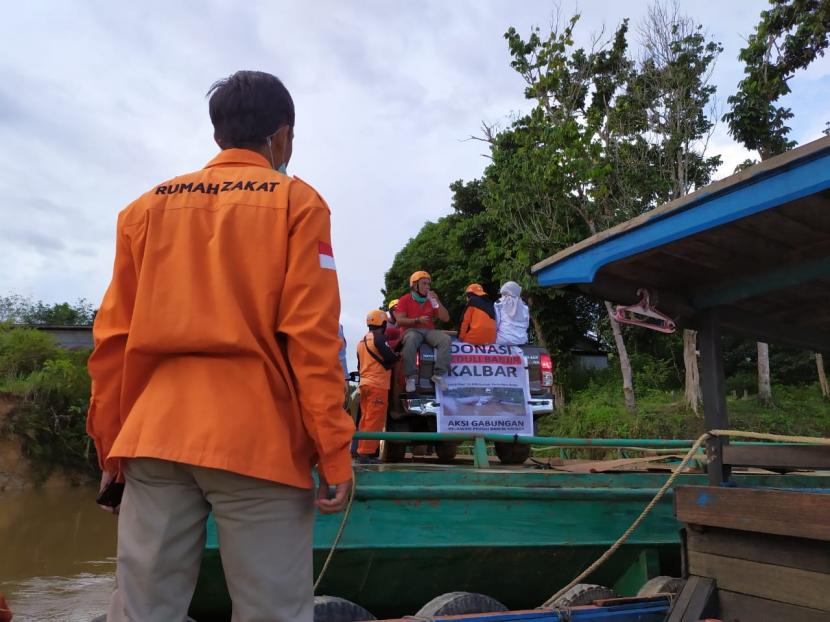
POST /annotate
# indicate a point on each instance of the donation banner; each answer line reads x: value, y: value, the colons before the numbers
x: 487, y: 391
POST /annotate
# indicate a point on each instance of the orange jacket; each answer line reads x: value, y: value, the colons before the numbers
x: 477, y: 327
x: 372, y: 370
x: 216, y: 343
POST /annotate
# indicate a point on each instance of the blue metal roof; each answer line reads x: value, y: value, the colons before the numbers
x: 791, y: 176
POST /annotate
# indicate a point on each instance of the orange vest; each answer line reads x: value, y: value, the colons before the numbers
x: 477, y: 327
x: 372, y: 373
x: 216, y: 343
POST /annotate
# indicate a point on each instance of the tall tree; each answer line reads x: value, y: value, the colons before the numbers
x: 551, y: 174
x: 608, y: 138
x: 675, y: 83
x: 788, y: 37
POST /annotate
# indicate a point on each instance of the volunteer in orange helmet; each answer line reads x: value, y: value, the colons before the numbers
x: 478, y: 324
x: 375, y: 360
x: 216, y: 384
x: 415, y: 313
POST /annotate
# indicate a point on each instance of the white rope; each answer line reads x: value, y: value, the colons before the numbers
x: 339, y: 534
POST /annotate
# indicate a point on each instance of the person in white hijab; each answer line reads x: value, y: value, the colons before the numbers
x: 512, y: 316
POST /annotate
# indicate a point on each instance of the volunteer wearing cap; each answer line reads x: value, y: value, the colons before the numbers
x: 375, y: 360
x: 415, y: 313
x: 479, y: 321
x: 216, y: 384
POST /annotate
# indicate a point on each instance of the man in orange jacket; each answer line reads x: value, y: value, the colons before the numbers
x: 478, y: 324
x: 375, y: 359
x: 216, y: 384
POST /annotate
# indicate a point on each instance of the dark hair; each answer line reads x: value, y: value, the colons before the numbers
x: 247, y: 107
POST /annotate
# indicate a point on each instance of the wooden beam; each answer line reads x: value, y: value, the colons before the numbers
x: 714, y: 392
x: 624, y: 291
x: 734, y: 606
x: 758, y: 284
x: 785, y: 333
x: 760, y: 547
x: 787, y: 585
x: 782, y: 512
x: 695, y: 601
x: 778, y: 456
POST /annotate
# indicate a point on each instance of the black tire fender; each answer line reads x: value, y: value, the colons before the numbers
x: 459, y: 603
x: 334, y: 609
x: 584, y: 594
x: 446, y: 450
x: 512, y: 453
x: 661, y: 585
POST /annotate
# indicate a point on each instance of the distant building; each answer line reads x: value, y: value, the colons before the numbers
x: 69, y: 337
x: 588, y: 354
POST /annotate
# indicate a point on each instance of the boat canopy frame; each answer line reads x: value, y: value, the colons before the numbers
x: 748, y: 255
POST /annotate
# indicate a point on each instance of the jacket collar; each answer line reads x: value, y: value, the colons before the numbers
x: 238, y: 157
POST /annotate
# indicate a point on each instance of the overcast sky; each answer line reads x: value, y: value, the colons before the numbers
x: 101, y: 100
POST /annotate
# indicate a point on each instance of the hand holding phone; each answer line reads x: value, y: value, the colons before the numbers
x: 109, y: 497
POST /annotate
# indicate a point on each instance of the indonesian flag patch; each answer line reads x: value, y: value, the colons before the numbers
x: 326, y: 256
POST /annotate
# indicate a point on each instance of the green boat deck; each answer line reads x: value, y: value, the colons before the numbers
x: 516, y: 534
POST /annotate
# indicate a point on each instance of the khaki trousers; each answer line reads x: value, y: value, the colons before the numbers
x: 264, y: 530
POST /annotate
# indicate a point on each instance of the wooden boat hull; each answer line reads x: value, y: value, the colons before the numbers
x: 516, y: 535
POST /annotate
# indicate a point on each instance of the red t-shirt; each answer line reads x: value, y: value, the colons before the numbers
x: 412, y: 309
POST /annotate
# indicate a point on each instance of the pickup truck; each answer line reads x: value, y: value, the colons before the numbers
x: 416, y: 412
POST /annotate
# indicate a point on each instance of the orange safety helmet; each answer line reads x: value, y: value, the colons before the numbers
x: 417, y: 276
x: 375, y: 318
x: 475, y: 288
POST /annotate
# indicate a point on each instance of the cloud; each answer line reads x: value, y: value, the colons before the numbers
x: 100, y: 101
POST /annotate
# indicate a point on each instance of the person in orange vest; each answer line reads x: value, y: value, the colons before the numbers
x: 415, y: 313
x: 478, y: 324
x: 375, y: 360
x: 216, y: 383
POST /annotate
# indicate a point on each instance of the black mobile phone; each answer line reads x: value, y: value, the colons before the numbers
x: 111, y: 495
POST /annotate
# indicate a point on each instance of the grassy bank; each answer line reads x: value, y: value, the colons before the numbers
x: 597, y: 411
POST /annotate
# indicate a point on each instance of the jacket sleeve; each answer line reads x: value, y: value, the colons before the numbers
x: 387, y: 357
x: 308, y: 319
x: 465, y: 323
x: 106, y: 363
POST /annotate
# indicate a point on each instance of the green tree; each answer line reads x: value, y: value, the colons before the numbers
x: 608, y: 137
x: 21, y: 310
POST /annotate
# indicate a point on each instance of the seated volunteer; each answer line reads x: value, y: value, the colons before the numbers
x: 216, y: 384
x: 512, y: 316
x: 375, y: 360
x: 415, y: 314
x: 478, y: 324
x: 394, y: 334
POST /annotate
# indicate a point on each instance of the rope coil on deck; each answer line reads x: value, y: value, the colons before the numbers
x: 809, y: 440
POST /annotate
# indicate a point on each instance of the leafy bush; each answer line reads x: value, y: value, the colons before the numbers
x: 51, y: 387
x: 24, y: 350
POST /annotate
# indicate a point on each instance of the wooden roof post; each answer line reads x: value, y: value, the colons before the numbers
x: 714, y: 392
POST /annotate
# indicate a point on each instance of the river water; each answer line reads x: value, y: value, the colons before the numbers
x: 57, y: 554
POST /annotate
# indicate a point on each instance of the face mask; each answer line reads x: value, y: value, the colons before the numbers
x: 418, y: 298
x: 282, y: 167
